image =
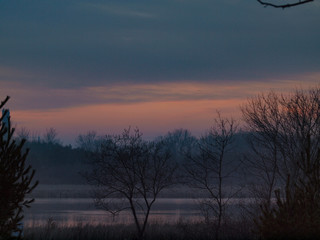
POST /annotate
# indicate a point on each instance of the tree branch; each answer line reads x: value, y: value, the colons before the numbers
x: 283, y: 6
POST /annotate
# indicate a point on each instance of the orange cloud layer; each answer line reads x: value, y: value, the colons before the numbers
x: 27, y: 97
x: 155, y: 109
x: 153, y: 118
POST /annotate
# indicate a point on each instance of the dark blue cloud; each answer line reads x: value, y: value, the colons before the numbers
x: 81, y: 43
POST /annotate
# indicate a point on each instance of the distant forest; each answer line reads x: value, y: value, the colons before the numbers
x: 56, y: 163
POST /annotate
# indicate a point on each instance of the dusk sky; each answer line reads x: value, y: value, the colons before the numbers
x: 80, y: 65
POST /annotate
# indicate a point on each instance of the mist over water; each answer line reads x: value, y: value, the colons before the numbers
x: 75, y: 211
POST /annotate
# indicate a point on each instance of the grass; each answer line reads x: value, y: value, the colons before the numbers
x: 156, y: 231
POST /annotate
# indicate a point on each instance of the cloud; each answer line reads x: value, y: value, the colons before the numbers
x: 153, y: 118
x: 156, y: 109
x: 62, y: 60
x: 79, y: 44
x: 117, y: 10
x: 33, y: 97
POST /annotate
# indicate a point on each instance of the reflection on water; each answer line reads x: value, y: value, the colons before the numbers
x: 74, y: 211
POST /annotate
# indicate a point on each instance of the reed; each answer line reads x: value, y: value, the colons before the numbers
x: 155, y: 231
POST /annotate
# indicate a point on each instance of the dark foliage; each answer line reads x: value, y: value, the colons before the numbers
x: 55, y: 163
x: 15, y: 179
x: 297, y: 216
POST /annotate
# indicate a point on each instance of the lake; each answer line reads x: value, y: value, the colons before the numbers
x: 74, y: 211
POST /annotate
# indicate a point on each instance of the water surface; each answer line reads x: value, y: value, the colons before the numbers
x: 74, y: 211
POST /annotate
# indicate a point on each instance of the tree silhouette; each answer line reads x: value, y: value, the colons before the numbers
x: 129, y: 173
x: 207, y: 169
x: 50, y: 136
x: 282, y: 5
x: 15, y: 179
x: 285, y: 143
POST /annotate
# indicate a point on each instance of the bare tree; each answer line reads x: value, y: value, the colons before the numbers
x: 50, y: 136
x: 283, y: 5
x: 263, y: 115
x: 15, y: 179
x: 129, y: 173
x: 285, y: 142
x: 208, y: 168
x: 89, y: 142
x: 178, y: 142
x: 23, y: 133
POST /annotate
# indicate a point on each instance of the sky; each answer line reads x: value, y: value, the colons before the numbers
x: 160, y: 65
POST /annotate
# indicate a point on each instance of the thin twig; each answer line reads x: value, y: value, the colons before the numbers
x: 284, y: 5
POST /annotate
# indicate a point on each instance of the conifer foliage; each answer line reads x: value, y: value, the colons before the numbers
x: 15, y: 179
